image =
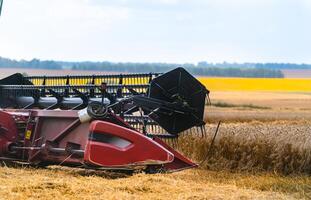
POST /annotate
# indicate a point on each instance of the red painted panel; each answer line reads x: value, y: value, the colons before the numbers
x: 8, y: 131
x: 140, y: 150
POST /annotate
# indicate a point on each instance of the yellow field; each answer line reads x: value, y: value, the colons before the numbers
x: 221, y: 84
x: 257, y: 84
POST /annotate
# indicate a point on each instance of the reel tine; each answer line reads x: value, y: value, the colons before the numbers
x: 200, y: 131
x: 191, y: 132
x: 176, y: 143
x: 153, y: 128
x: 167, y: 141
x: 173, y: 142
x: 204, y: 131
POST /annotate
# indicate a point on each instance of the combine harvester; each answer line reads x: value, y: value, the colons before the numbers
x: 113, y: 122
x: 102, y: 121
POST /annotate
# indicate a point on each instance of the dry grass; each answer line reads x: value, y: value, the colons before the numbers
x: 67, y: 183
x: 275, y: 100
x: 282, y: 147
x: 283, y: 106
x: 242, y: 114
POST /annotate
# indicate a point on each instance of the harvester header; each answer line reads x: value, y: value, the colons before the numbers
x: 119, y: 121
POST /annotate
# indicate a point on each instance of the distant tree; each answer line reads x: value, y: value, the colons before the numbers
x: 203, y: 68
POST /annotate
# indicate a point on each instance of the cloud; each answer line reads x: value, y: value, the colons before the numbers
x: 60, y: 10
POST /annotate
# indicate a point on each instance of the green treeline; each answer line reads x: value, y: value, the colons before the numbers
x: 202, y: 71
x: 33, y: 64
x: 202, y: 68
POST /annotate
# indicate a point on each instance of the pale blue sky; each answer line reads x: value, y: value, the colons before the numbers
x: 157, y: 30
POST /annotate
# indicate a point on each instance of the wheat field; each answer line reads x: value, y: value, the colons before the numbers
x: 262, y: 151
x: 282, y: 147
